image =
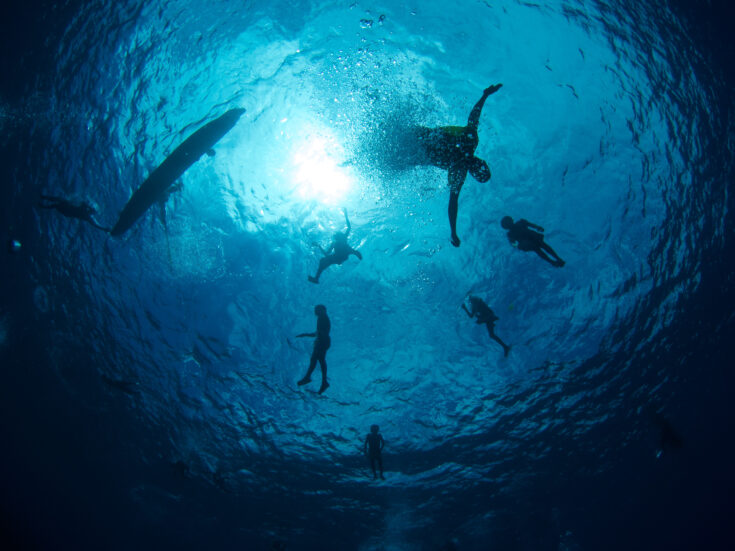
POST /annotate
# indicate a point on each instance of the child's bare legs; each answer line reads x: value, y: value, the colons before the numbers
x: 324, y: 263
x: 552, y: 252
x: 556, y: 261
x: 379, y: 460
x: 493, y: 336
x: 318, y: 355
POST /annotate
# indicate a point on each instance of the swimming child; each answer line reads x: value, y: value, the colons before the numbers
x: 83, y: 211
x: 486, y: 316
x: 341, y: 249
x: 522, y: 233
x: 321, y: 345
x: 374, y: 444
x: 452, y: 148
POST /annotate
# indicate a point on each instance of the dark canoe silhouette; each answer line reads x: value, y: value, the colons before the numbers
x: 174, y: 166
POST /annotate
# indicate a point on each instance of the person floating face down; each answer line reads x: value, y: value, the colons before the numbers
x: 521, y: 234
x: 321, y: 345
x: 374, y: 444
x: 83, y: 211
x: 452, y: 148
x: 339, y: 248
x: 485, y: 315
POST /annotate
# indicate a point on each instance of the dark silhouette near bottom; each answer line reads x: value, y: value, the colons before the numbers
x: 341, y: 249
x: 486, y: 316
x: 374, y: 444
x: 321, y: 345
x: 522, y: 233
x: 82, y: 211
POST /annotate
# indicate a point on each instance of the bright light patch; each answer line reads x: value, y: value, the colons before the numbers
x: 318, y: 175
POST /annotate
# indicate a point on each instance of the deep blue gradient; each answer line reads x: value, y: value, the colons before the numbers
x: 149, y: 394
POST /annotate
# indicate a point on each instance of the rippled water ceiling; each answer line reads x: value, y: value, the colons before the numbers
x: 603, y: 133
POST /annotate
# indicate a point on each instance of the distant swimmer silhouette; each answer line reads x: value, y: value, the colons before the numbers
x: 321, y: 345
x: 154, y: 188
x: 486, y: 316
x: 522, y: 233
x: 341, y: 249
x: 374, y: 444
x: 82, y: 211
x: 452, y: 148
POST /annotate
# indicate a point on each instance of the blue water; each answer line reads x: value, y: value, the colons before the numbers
x: 150, y: 396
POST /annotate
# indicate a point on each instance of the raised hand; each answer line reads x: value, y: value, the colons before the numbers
x: 492, y: 89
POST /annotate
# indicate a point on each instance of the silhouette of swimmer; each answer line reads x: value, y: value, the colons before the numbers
x: 374, y: 444
x: 452, y: 148
x: 321, y: 345
x: 83, y: 211
x: 341, y: 249
x: 522, y: 232
x: 485, y: 315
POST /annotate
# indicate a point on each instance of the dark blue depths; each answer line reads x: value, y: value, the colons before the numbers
x: 113, y: 438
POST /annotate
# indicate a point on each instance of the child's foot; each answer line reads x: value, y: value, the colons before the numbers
x: 505, y: 352
x: 325, y: 386
x: 313, y: 279
x: 303, y: 381
x: 382, y: 477
x: 375, y: 476
x: 560, y: 263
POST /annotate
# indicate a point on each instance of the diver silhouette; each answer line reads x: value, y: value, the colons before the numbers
x: 452, y: 148
x: 321, y: 345
x: 374, y: 444
x: 522, y: 233
x: 83, y: 211
x: 486, y: 316
x: 341, y: 249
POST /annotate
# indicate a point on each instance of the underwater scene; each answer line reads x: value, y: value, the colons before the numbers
x: 346, y: 275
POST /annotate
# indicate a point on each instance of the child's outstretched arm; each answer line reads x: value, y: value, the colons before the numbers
x: 347, y: 221
x: 466, y: 310
x: 474, y: 118
x: 531, y: 225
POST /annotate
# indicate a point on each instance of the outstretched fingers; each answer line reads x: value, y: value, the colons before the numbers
x: 493, y: 88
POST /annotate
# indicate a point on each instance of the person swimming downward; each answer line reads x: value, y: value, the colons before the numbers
x: 528, y: 237
x: 339, y: 249
x: 82, y: 211
x: 322, y: 343
x: 485, y: 316
x: 452, y: 148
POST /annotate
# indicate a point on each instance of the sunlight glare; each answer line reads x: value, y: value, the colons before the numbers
x: 317, y: 172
